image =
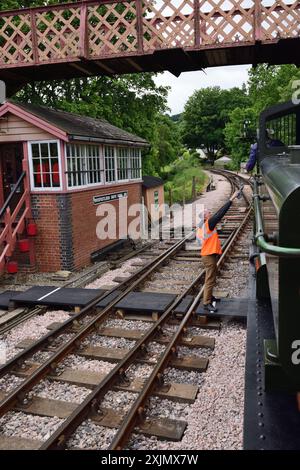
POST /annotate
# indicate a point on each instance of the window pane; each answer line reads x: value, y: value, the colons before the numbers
x: 35, y: 151
x: 109, y: 164
x: 37, y: 181
x: 55, y: 172
x: 45, y: 168
x: 54, y: 149
x: 44, y: 150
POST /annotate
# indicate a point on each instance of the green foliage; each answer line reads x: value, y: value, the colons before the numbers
x: 205, y: 115
x: 267, y: 85
x: 237, y: 139
x: 179, y: 178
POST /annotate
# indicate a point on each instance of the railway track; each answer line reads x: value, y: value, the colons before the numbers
x: 74, y: 335
x: 13, y: 318
x: 114, y: 260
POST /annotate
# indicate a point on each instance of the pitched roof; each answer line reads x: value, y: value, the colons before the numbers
x: 152, y: 182
x: 88, y: 128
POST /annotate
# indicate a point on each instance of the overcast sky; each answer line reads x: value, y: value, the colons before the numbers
x: 183, y: 86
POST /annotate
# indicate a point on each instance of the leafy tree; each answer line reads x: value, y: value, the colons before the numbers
x: 267, y: 84
x: 205, y: 116
x: 168, y: 140
x: 240, y: 133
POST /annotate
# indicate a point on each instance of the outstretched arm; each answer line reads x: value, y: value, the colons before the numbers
x: 215, y: 219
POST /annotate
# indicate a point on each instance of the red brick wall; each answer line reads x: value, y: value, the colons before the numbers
x: 67, y: 226
x: 47, y: 243
x: 85, y: 220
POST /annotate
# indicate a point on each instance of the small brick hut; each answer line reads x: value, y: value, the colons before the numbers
x: 69, y: 165
x: 154, y: 197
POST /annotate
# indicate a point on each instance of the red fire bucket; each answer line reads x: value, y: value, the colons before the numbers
x: 31, y: 229
x: 12, y: 267
x: 24, y: 245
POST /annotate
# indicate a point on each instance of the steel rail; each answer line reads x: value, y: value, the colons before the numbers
x: 51, y: 363
x: 59, y: 438
x: 79, y: 281
x: 229, y: 175
x: 91, y: 403
x: 44, y: 340
x: 131, y: 419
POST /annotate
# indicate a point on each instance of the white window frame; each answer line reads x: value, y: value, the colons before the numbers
x: 114, y: 157
x: 128, y: 162
x: 101, y: 156
x: 48, y: 188
x: 130, y: 170
x: 138, y: 159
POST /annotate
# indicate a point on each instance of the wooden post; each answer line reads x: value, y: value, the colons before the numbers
x: 257, y: 21
x: 183, y: 197
x: 202, y: 25
x: 83, y: 38
x: 171, y: 202
x: 35, y: 49
x: 194, y: 188
x: 197, y: 22
x: 170, y: 197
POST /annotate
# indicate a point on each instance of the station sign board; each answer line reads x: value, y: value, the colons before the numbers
x: 109, y: 197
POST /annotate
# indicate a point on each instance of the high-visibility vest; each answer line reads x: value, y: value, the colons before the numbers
x: 210, y: 242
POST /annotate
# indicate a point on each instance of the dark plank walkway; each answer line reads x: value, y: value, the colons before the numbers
x: 237, y: 308
x: 146, y: 302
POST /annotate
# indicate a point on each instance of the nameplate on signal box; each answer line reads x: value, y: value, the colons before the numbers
x: 109, y: 197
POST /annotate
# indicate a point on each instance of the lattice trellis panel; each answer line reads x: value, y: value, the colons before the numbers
x: 58, y: 34
x: 168, y: 23
x: 226, y: 21
x: 15, y: 39
x: 280, y: 19
x: 112, y: 29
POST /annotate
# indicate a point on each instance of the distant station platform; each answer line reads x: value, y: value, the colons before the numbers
x: 237, y: 308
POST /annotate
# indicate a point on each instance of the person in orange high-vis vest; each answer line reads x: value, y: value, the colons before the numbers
x: 211, y: 250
